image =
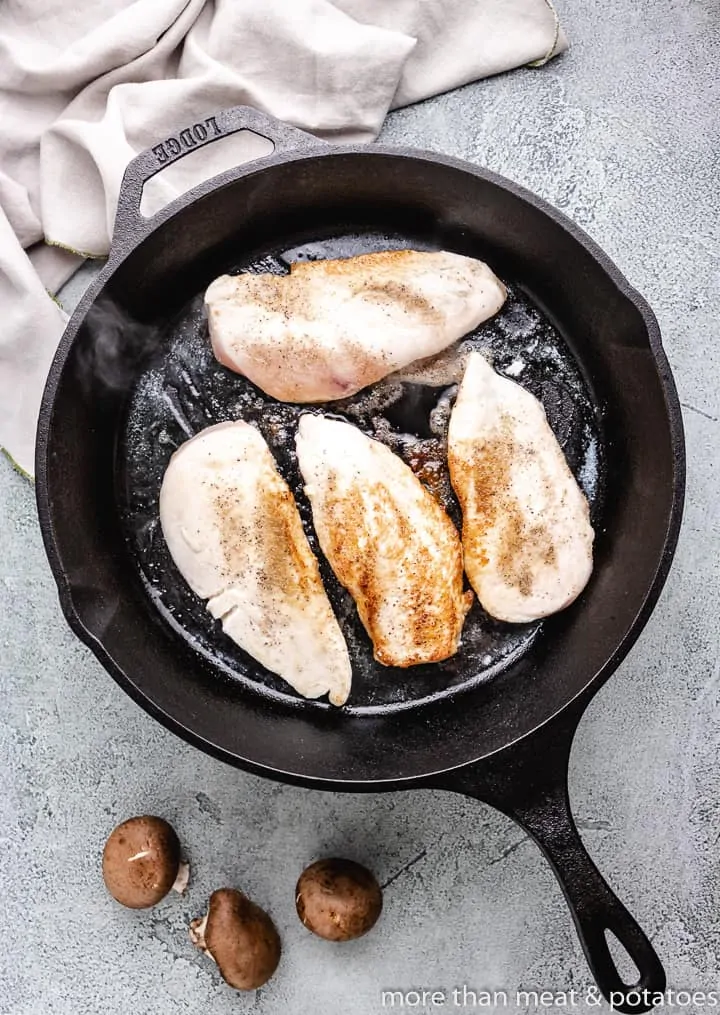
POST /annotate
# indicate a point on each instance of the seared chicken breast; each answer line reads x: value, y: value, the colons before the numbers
x: 234, y: 532
x: 387, y: 539
x: 526, y: 535
x: 330, y: 328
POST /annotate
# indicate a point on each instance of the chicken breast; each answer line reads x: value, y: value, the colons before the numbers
x: 234, y: 532
x: 527, y: 537
x: 330, y: 328
x: 387, y: 539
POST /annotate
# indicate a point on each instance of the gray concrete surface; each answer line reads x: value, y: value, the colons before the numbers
x: 622, y: 133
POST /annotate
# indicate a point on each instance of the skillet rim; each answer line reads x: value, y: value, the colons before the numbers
x: 137, y: 229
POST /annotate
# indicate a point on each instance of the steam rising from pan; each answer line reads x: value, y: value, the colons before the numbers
x: 113, y: 349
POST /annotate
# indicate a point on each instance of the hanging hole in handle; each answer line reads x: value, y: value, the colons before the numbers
x: 200, y: 164
x: 624, y: 962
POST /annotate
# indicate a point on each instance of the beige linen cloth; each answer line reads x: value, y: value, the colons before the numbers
x: 84, y: 87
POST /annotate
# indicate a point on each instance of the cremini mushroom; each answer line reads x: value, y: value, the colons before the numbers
x: 141, y: 862
x: 240, y: 937
x: 338, y: 899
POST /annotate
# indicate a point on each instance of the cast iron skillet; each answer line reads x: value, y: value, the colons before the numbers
x: 505, y: 741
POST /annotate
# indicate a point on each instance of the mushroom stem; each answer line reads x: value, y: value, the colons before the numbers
x: 197, y: 934
x: 182, y: 879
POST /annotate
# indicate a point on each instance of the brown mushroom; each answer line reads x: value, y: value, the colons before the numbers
x: 240, y: 937
x: 141, y: 862
x: 338, y: 899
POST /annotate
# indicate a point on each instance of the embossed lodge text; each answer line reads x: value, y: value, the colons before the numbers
x: 171, y: 147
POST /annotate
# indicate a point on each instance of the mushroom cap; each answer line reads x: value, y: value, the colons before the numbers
x: 240, y: 937
x: 338, y: 899
x: 140, y: 861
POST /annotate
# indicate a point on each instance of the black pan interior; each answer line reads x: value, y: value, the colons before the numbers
x: 182, y: 389
x: 601, y: 384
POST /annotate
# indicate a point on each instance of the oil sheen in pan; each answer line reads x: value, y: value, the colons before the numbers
x: 183, y: 389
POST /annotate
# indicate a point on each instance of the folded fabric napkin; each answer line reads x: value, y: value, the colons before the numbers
x: 84, y: 88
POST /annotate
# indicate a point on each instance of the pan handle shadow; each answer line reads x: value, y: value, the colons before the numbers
x: 528, y: 782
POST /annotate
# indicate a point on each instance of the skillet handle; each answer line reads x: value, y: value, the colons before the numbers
x: 529, y: 784
x: 189, y: 139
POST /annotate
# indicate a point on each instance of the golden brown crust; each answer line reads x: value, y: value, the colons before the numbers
x: 386, y: 279
x: 428, y: 598
x: 331, y: 327
x: 373, y: 263
x: 366, y: 273
x: 277, y: 533
x: 480, y: 472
